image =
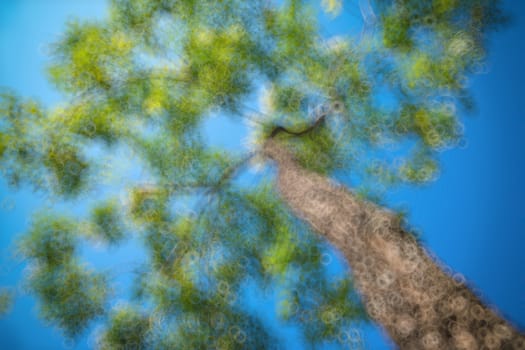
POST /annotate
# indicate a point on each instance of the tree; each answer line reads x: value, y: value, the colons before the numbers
x: 146, y: 79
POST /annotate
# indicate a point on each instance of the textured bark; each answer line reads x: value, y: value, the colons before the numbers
x: 407, y: 292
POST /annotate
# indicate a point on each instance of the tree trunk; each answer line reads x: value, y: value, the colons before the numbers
x: 402, y: 287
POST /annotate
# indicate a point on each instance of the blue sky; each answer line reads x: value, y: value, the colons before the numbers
x: 472, y: 217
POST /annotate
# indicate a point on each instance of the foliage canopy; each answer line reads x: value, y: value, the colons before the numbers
x: 146, y: 80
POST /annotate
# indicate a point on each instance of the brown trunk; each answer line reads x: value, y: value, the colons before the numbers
x: 404, y: 290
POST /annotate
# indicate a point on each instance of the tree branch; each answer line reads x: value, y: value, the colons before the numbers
x: 276, y: 130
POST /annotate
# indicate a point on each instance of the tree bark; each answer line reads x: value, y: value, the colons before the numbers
x: 406, y: 291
